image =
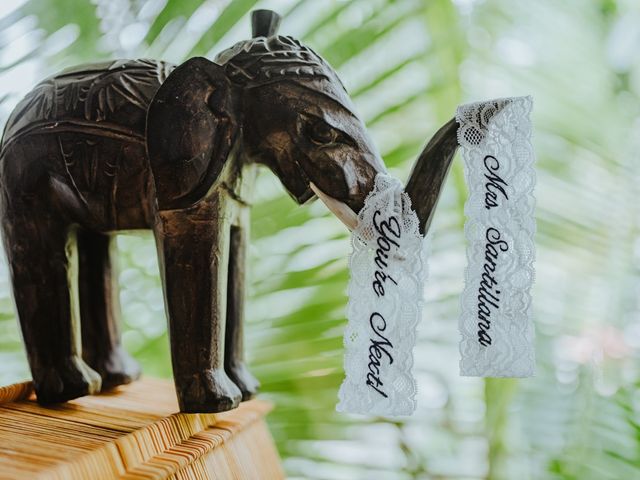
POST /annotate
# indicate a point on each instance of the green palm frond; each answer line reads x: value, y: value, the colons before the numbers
x: 408, y: 64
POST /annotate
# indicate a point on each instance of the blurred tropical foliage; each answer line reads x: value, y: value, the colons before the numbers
x: 407, y: 64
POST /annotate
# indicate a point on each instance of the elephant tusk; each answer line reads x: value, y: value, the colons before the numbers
x: 339, y: 209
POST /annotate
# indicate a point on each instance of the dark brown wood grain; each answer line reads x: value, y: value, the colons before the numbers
x: 139, y: 144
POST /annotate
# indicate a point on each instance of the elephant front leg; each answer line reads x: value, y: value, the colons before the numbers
x: 234, y: 342
x: 194, y: 256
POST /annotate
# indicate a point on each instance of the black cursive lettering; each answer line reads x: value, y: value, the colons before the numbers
x: 389, y: 233
x: 379, y: 348
x: 488, y: 293
x: 495, y: 184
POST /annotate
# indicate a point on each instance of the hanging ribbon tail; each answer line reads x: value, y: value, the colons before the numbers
x: 496, y: 324
x: 388, y: 268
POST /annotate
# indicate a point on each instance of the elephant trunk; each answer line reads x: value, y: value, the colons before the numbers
x: 350, y: 183
x: 423, y: 187
x: 430, y: 171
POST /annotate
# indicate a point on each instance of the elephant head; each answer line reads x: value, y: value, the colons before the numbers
x: 268, y: 100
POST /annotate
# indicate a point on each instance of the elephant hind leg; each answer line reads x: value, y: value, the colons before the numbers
x: 41, y: 255
x: 100, y: 312
x: 234, y: 363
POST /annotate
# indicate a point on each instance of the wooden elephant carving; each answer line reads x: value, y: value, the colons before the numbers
x: 140, y: 144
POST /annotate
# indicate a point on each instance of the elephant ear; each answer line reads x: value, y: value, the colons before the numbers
x: 191, y: 128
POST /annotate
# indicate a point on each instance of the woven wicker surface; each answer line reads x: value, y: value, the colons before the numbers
x: 132, y: 432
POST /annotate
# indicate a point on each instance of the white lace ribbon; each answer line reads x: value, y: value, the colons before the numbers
x: 388, y: 267
x: 495, y: 322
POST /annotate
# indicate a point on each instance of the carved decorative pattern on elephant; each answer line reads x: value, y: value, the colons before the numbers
x: 115, y: 94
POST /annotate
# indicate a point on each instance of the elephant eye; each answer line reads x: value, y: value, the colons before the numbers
x: 322, y: 133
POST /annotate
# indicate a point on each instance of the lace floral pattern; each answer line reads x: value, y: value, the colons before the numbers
x: 388, y: 267
x: 495, y: 323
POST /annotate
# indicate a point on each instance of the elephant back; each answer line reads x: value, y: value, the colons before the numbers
x: 113, y: 96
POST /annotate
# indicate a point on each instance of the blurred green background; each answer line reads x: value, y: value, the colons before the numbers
x: 408, y: 64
